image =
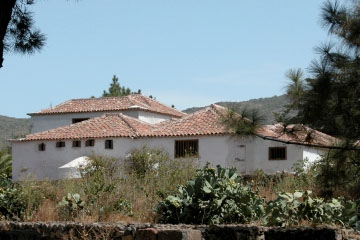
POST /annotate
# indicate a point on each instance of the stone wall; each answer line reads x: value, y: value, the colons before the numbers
x: 120, y: 231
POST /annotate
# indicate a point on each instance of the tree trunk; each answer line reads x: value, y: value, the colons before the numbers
x: 6, y: 7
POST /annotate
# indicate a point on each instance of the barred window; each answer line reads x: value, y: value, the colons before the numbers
x: 60, y: 144
x: 90, y: 143
x: 277, y: 153
x: 76, y: 144
x: 186, y: 148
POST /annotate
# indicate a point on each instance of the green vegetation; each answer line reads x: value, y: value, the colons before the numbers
x: 215, y: 196
x: 115, y: 90
x: 328, y: 99
x: 13, y: 204
x: 5, y: 163
x: 12, y: 128
x: 221, y: 196
x: 152, y: 187
x: 107, y: 191
x: 244, y: 122
x: 17, y: 31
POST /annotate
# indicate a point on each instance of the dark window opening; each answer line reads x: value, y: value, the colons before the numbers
x: 76, y: 144
x: 186, y: 148
x: 42, y: 147
x: 76, y: 120
x: 90, y: 143
x: 60, y: 144
x: 108, y: 144
x: 277, y: 153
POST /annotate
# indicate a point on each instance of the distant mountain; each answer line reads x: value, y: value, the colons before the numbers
x: 265, y: 106
x: 12, y: 128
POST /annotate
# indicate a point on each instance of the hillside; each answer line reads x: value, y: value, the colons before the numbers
x: 265, y: 106
x: 12, y: 128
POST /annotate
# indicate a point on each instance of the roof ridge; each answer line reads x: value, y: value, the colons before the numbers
x: 122, y: 116
x: 152, y: 99
x: 97, y: 98
x: 145, y: 98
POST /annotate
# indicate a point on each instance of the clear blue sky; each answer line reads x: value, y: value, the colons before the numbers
x: 184, y: 52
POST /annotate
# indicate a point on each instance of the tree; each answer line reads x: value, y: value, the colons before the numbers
x: 17, y: 31
x: 330, y: 99
x: 243, y: 122
x: 115, y: 90
x: 295, y: 89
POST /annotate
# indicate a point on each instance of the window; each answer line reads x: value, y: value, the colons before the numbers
x: 108, y: 144
x: 76, y: 120
x: 41, y: 147
x: 90, y: 143
x: 60, y: 144
x: 185, y: 148
x: 76, y: 144
x: 277, y: 153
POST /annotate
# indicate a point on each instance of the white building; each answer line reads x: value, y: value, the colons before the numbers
x: 42, y: 154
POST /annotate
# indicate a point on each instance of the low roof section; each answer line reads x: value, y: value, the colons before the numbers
x: 208, y: 121
x: 106, y: 126
x: 107, y: 104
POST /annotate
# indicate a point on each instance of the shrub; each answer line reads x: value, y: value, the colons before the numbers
x: 99, y: 177
x: 161, y: 178
x: 351, y: 215
x: 12, y: 201
x: 215, y: 196
x: 146, y: 160
x: 339, y: 173
x: 292, y: 209
x: 5, y: 163
x: 71, y: 205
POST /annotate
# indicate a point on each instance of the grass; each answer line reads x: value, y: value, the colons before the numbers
x: 130, y: 192
x: 110, y: 192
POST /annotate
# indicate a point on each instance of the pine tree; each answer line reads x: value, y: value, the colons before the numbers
x: 329, y: 99
x: 17, y: 31
x: 116, y: 90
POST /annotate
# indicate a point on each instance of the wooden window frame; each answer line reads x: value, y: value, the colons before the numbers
x: 274, y: 159
x: 60, y: 144
x: 76, y: 144
x: 41, y: 147
x: 187, y: 140
x: 90, y: 143
x: 109, y: 144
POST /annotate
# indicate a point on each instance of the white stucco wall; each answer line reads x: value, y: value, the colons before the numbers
x: 29, y: 162
x: 246, y: 155
x: 152, y: 118
x: 45, y: 122
x: 313, y: 155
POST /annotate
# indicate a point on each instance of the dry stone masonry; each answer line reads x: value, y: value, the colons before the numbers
x: 122, y: 231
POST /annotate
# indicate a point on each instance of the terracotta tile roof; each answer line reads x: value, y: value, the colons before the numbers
x: 109, y: 125
x: 297, y: 134
x: 130, y: 102
x: 204, y: 122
